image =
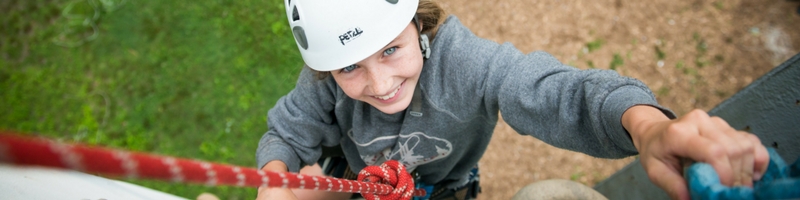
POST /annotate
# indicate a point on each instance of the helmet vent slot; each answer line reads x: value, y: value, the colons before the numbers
x: 392, y: 1
x: 295, y: 15
x: 300, y: 36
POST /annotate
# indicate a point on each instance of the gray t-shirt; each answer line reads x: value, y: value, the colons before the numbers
x: 464, y: 85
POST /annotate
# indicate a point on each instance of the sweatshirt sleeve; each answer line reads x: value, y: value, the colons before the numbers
x: 300, y: 123
x: 579, y: 110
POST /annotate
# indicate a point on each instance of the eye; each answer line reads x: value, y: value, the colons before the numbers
x: 389, y: 51
x: 349, y: 68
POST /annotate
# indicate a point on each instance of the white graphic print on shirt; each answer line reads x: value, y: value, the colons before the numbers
x: 405, y: 153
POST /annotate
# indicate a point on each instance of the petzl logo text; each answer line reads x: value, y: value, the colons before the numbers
x: 350, y: 35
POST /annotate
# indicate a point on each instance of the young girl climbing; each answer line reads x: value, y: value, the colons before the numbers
x: 399, y: 80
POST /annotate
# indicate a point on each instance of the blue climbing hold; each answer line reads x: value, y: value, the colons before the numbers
x: 779, y: 182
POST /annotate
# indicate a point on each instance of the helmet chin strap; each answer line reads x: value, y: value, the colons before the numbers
x: 424, y: 43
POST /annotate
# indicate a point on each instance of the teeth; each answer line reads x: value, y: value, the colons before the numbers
x: 388, y: 96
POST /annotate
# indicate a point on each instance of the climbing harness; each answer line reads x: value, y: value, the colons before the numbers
x: 387, y: 181
x: 469, y: 190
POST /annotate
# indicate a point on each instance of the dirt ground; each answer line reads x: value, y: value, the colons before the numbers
x: 692, y: 54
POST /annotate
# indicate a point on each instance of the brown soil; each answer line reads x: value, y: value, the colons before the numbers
x: 692, y: 54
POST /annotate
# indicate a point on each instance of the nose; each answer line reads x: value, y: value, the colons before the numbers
x: 379, y: 78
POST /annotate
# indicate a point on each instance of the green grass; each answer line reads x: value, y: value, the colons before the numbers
x: 719, y: 5
x: 191, y: 79
x: 595, y: 45
x: 702, y: 49
x: 663, y: 91
x: 659, y: 53
x: 616, y: 62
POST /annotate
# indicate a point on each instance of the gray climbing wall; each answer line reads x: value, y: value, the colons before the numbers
x: 769, y: 107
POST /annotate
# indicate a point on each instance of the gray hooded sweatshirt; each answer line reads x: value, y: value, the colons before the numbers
x: 465, y: 84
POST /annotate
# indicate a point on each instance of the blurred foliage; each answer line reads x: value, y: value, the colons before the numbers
x: 594, y: 45
x: 660, y: 53
x: 191, y: 79
x: 616, y: 61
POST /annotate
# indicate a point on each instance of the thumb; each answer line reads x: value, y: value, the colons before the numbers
x: 667, y: 178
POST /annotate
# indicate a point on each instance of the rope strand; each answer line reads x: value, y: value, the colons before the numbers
x: 22, y: 150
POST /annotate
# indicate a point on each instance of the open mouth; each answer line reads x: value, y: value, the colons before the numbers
x: 391, y: 95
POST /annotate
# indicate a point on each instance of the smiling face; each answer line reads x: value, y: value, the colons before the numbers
x: 386, y: 79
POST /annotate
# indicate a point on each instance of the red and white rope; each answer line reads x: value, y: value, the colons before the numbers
x: 390, y: 172
x: 392, y: 183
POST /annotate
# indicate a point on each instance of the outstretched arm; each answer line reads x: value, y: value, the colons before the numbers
x: 738, y: 157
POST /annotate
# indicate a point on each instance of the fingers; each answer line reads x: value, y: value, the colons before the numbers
x: 692, y: 137
x: 706, y: 150
x: 667, y: 178
x: 760, y: 158
x: 746, y: 160
x: 725, y: 137
x: 738, y: 157
x: 740, y: 152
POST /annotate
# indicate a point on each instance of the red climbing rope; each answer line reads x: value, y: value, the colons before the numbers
x: 390, y: 172
x: 390, y: 181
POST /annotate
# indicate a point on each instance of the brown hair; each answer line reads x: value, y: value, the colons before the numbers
x: 429, y: 13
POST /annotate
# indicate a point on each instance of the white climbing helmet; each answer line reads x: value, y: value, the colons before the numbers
x: 332, y: 34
